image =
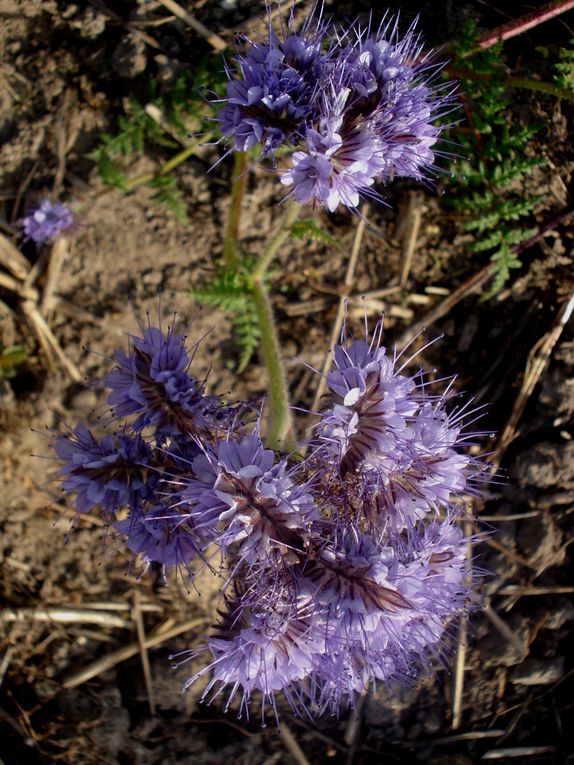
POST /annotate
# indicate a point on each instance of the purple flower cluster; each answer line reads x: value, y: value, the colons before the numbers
x: 47, y: 221
x: 351, y: 107
x: 339, y: 569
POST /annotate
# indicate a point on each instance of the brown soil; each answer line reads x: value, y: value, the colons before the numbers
x: 66, y: 70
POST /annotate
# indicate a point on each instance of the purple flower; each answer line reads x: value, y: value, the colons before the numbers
x: 270, y: 99
x: 152, y: 381
x: 336, y: 572
x: 395, y: 446
x: 372, y: 404
x: 355, y: 106
x: 270, y: 648
x: 47, y: 221
x: 338, y: 166
x: 159, y: 536
x: 111, y: 474
x: 240, y: 497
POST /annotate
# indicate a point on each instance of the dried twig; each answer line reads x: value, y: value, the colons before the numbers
x: 475, y: 283
x: 58, y: 255
x: 12, y: 259
x: 138, y: 619
x: 462, y: 643
x: 519, y: 590
x: 157, y: 637
x: 5, y: 663
x: 444, y: 307
x: 336, y: 331
x: 214, y: 40
x: 64, y: 616
x: 407, y: 230
x: 535, y: 365
x: 517, y: 751
x: 48, y: 340
x: 523, y: 23
x: 291, y: 743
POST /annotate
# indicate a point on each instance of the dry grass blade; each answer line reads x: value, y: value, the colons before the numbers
x: 48, y: 340
x: 445, y: 306
x: 12, y: 259
x: 472, y: 735
x: 462, y: 646
x: 336, y: 331
x: 518, y: 590
x: 157, y: 637
x: 214, y: 40
x: 291, y: 743
x: 517, y: 751
x: 502, y: 627
x: 535, y: 366
x: 58, y: 255
x: 9, y: 283
x: 407, y: 229
x: 6, y: 660
x: 138, y: 619
x: 64, y: 616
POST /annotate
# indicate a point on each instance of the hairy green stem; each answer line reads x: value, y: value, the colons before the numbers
x: 541, y: 87
x: 289, y: 218
x: 238, y: 184
x: 515, y: 82
x: 280, y: 430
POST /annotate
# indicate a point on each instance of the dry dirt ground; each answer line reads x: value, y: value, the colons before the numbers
x: 72, y: 684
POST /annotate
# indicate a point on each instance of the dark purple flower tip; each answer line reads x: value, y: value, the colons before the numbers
x: 111, y: 474
x: 152, y: 381
x: 270, y: 96
x: 158, y: 535
x: 47, y: 221
x: 354, y: 575
x: 240, y: 497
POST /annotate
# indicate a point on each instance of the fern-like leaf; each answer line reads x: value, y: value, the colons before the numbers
x: 307, y: 228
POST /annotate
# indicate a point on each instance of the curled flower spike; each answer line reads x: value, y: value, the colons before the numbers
x: 159, y: 536
x: 240, y: 497
x: 152, y: 381
x: 109, y: 474
x: 392, y: 445
x: 47, y: 221
x: 352, y: 108
x: 340, y: 569
x: 271, y: 648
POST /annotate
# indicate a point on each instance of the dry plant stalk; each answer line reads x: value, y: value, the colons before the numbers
x: 213, y: 39
x: 338, y: 323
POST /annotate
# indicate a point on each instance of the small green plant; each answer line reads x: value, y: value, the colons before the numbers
x: 565, y: 68
x: 10, y: 357
x: 230, y: 289
x: 164, y: 122
x: 307, y: 228
x: 491, y: 176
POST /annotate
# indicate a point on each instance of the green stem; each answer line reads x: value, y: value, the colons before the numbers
x: 280, y: 431
x: 168, y: 166
x: 289, y: 218
x: 541, y: 87
x: 239, y: 182
x: 516, y: 82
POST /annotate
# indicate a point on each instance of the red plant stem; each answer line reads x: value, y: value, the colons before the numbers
x: 520, y: 25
